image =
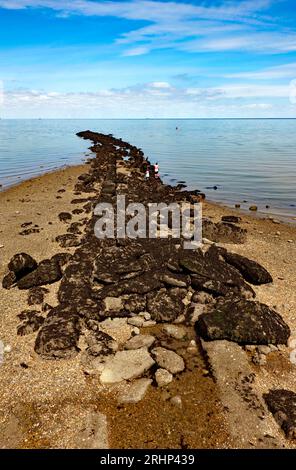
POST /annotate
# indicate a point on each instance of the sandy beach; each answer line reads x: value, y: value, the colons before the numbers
x: 46, y: 403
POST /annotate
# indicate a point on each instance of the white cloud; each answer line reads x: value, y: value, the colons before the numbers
x: 160, y: 85
x: 271, y: 73
x: 146, y: 100
x: 258, y: 106
x: 232, y: 25
x: 136, y: 51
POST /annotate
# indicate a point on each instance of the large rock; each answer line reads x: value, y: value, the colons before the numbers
x: 244, y: 322
x: 126, y: 365
x: 164, y: 305
x: 22, y: 264
x: 223, y: 232
x: 58, y: 338
x: 168, y: 360
x: 282, y: 404
x: 251, y: 271
x: 212, y: 274
x: 47, y: 272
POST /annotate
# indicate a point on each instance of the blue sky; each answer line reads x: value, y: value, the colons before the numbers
x: 147, y: 58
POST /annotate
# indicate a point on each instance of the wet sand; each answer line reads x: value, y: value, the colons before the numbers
x: 43, y: 403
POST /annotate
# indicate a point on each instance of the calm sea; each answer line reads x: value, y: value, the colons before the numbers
x: 248, y: 161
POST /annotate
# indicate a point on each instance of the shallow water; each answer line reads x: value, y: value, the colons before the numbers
x: 247, y: 160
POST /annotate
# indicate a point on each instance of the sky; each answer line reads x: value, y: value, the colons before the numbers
x: 147, y: 58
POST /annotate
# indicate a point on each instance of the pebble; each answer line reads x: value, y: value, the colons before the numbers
x: 253, y: 208
x: 7, y: 348
x: 250, y: 347
x: 136, y: 321
x: 289, y: 241
x: 140, y: 341
x: 275, y: 221
x: 163, y: 377
x: 263, y: 349
x: 177, y: 401
x: 237, y: 206
x: 192, y: 348
x: 145, y: 315
x: 278, y: 233
x: 176, y: 332
x: 149, y: 323
x: 259, y: 359
x: 168, y: 360
x: 1, y: 246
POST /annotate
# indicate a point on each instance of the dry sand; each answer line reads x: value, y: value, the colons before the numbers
x: 44, y: 404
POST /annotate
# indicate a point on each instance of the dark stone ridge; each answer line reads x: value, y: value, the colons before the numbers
x: 59, y: 334
x: 223, y: 232
x: 251, y: 271
x: 31, y: 322
x: 147, y: 274
x: 282, y: 404
x: 234, y: 219
x: 36, y: 295
x: 22, y: 264
x: 65, y: 216
x: 244, y: 322
x: 47, y: 272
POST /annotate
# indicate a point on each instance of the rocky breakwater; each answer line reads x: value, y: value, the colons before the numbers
x: 112, y: 291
